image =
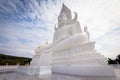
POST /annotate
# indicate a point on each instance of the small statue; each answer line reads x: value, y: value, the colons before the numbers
x: 86, y: 31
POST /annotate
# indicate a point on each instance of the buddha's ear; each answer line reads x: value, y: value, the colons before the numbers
x: 75, y: 18
x: 55, y: 28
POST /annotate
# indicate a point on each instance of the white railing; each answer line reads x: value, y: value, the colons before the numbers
x: 8, y: 68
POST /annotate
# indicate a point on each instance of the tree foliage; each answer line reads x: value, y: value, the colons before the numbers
x: 13, y: 60
x: 118, y: 59
x: 114, y: 61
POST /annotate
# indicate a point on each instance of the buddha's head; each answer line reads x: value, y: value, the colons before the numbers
x: 64, y: 17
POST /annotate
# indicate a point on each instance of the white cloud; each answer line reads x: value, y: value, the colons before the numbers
x: 109, y: 44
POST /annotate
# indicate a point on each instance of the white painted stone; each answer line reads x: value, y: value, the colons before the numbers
x: 84, y: 70
x: 71, y: 52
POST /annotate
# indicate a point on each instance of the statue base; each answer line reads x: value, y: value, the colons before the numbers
x: 39, y: 70
x: 82, y: 60
x: 40, y: 65
x: 85, y: 70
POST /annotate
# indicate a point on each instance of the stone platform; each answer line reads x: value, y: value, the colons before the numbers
x: 14, y: 75
x: 19, y: 76
x: 85, y: 70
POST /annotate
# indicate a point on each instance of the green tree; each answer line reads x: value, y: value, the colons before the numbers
x: 118, y: 58
x: 111, y: 61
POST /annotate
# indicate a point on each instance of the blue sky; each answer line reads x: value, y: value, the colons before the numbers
x: 25, y: 24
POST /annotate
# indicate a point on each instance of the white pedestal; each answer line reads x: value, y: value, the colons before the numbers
x: 85, y: 70
x: 33, y: 70
x: 81, y: 60
x: 40, y: 65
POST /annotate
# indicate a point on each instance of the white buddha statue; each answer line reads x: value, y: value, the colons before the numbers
x: 71, y: 51
x: 68, y: 33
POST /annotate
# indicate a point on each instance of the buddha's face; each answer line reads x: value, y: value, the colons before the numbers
x: 62, y: 19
